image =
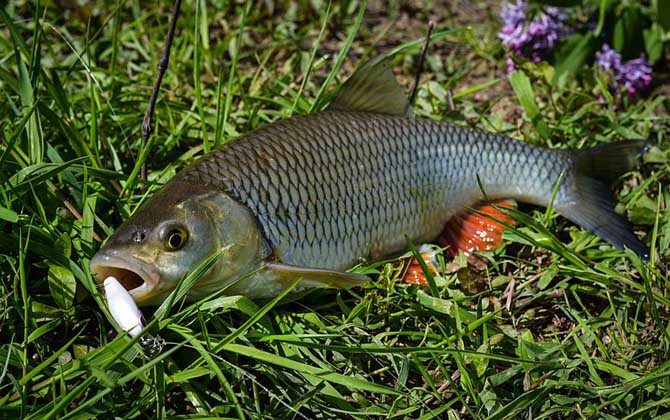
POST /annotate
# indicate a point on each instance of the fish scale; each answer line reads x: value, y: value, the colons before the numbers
x: 344, y: 186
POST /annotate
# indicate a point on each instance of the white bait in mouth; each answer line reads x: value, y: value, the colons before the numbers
x: 123, y: 307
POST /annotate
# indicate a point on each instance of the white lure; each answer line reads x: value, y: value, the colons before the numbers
x: 123, y: 307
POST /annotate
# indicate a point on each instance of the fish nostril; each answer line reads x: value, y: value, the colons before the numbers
x: 139, y: 236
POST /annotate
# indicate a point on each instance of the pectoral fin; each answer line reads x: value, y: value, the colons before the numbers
x: 316, y: 277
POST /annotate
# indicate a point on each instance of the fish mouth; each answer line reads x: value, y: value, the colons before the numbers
x: 137, y: 278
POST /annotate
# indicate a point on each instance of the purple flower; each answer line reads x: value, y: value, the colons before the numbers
x: 514, y: 14
x: 634, y: 76
x: 510, y: 66
x: 608, y: 59
x: 535, y: 39
x: 513, y: 34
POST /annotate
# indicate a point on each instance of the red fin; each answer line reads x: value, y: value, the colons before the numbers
x: 415, y: 274
x: 470, y: 232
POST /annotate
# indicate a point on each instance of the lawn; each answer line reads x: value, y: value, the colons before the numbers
x: 554, y: 324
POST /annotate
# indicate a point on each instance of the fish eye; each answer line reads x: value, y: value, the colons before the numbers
x: 175, y: 238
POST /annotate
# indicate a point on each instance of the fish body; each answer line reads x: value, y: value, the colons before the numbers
x: 311, y: 196
x: 332, y: 189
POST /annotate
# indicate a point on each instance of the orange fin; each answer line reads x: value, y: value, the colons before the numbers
x: 414, y: 273
x: 471, y: 232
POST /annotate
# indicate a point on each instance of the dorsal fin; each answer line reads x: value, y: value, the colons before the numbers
x: 373, y: 88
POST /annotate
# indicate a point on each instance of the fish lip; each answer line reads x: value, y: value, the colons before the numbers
x: 103, y: 265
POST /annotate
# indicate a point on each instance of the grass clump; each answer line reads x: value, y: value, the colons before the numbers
x: 556, y: 325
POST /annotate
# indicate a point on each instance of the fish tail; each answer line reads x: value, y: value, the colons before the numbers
x: 588, y: 199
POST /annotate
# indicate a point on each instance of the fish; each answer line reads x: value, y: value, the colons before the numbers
x: 310, y: 196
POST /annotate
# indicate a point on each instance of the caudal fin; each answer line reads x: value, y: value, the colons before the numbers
x: 589, y: 200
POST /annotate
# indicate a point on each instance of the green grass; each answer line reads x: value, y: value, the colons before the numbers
x: 556, y: 325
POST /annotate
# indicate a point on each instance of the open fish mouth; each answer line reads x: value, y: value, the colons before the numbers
x: 138, y: 280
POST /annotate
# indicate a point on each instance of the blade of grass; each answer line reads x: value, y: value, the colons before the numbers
x: 340, y: 57
x: 218, y: 141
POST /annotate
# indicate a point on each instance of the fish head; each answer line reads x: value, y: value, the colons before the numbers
x: 179, y: 227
